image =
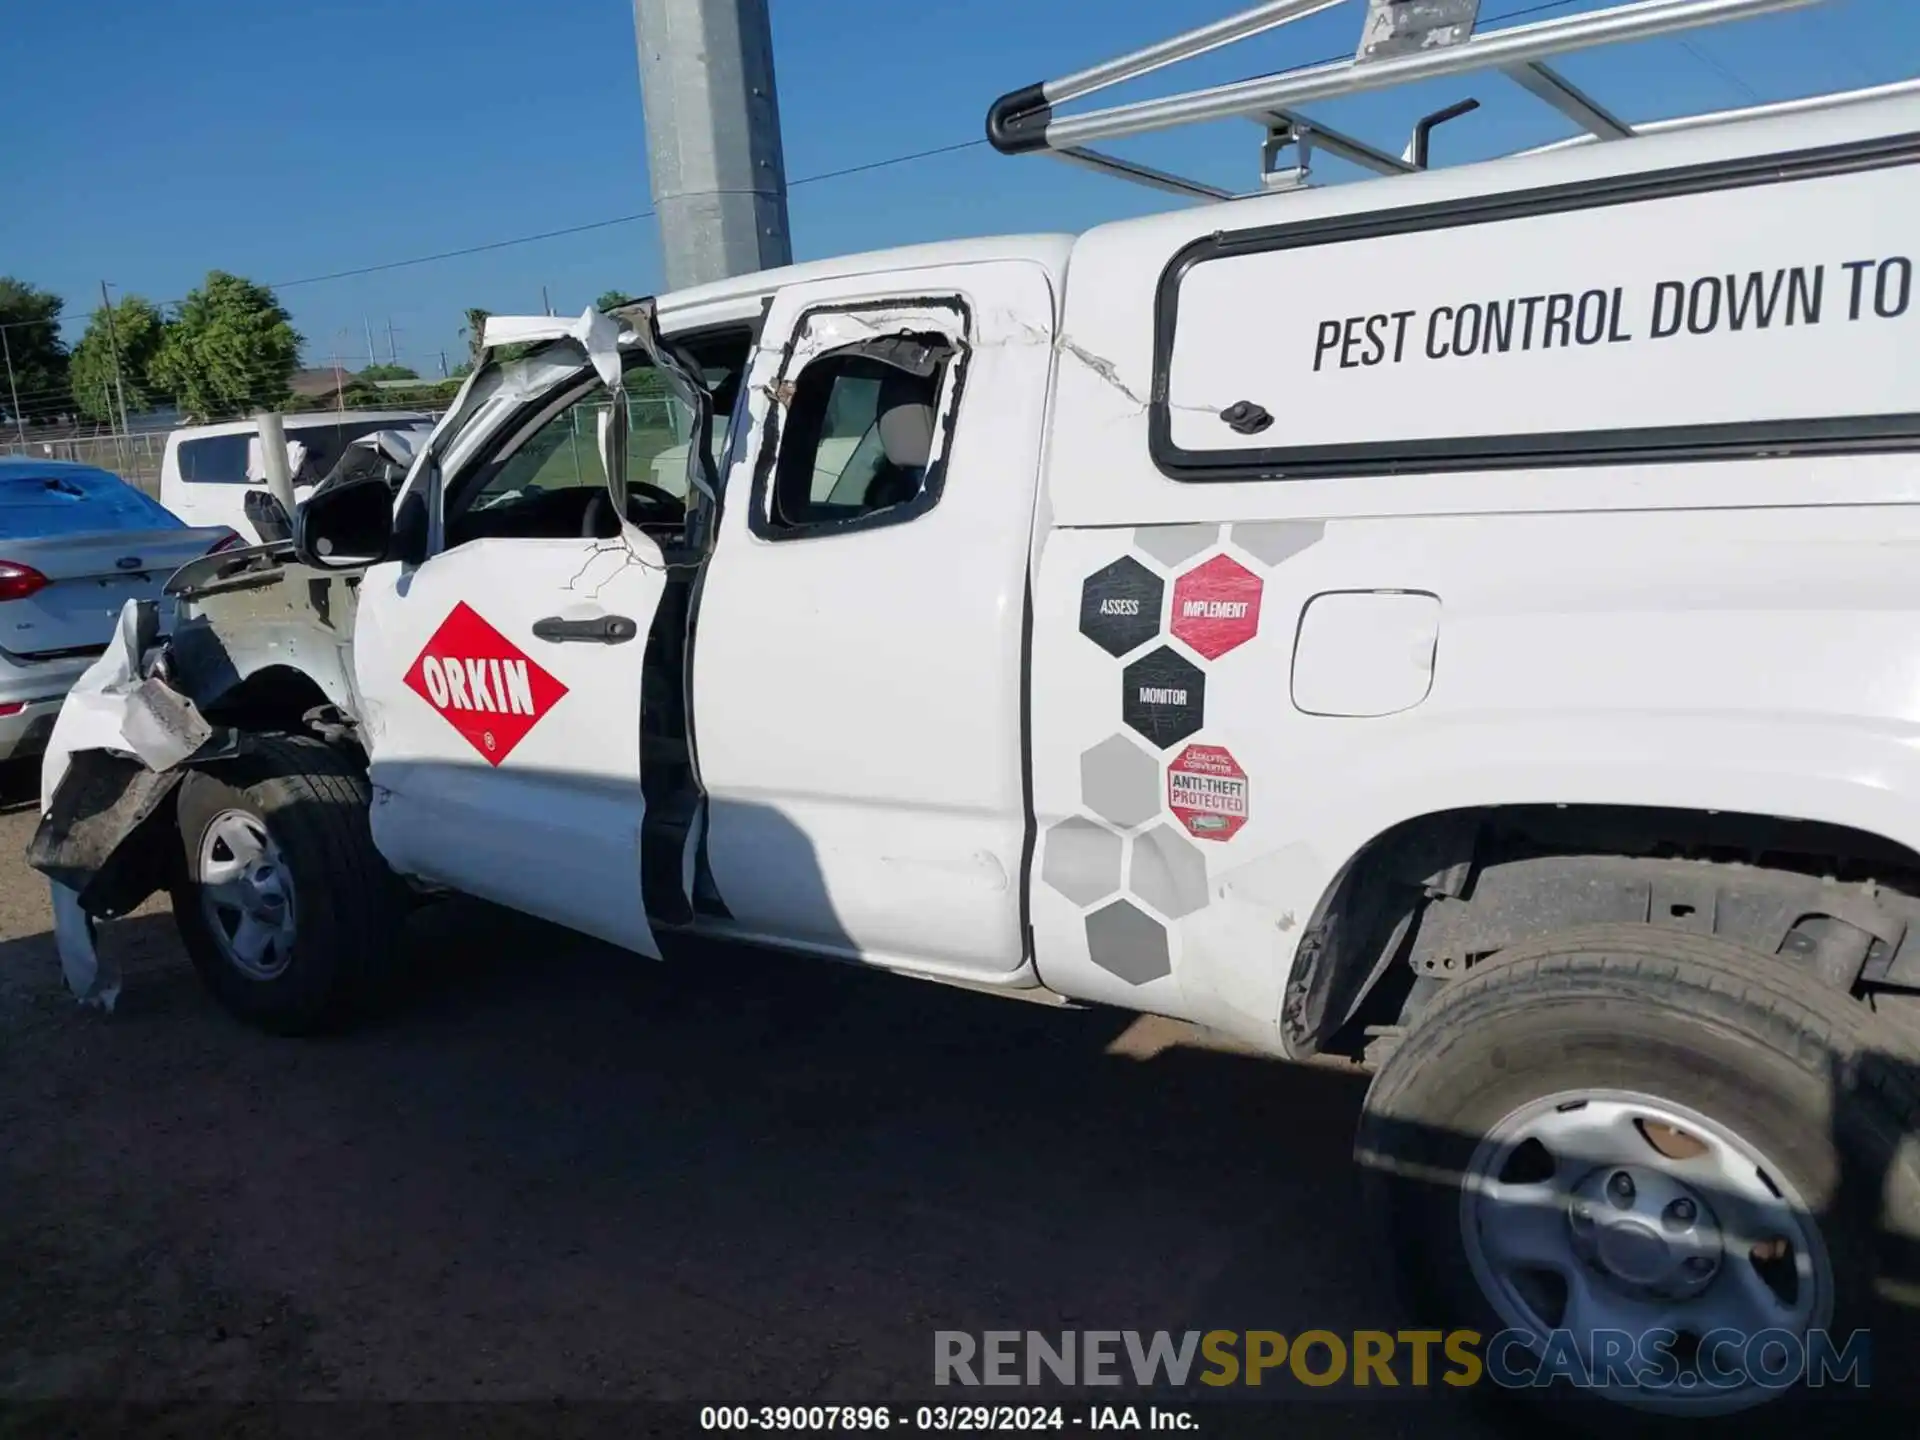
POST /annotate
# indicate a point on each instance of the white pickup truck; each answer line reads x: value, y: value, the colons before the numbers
x: 1467, y: 621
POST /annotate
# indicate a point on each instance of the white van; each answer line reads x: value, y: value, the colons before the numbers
x: 208, y: 470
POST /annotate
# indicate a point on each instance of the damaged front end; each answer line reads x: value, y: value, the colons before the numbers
x: 259, y: 642
x: 262, y: 639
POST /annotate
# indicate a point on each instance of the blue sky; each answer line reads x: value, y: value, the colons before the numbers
x: 147, y: 143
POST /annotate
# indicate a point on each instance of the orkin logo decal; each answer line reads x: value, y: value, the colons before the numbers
x: 482, y: 683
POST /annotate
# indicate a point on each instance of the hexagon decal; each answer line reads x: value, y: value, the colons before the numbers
x: 1168, y: 872
x: 1216, y: 606
x: 1277, y: 541
x: 1170, y: 544
x: 1082, y: 861
x: 1120, y: 782
x: 1208, y: 792
x: 1126, y: 941
x: 1163, y: 696
x: 1120, y: 606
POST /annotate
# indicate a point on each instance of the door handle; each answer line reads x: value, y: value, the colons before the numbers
x: 601, y: 630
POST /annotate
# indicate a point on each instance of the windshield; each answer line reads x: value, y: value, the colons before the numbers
x: 564, y: 452
x: 533, y: 467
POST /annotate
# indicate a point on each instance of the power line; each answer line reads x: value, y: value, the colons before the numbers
x: 1526, y: 10
x: 564, y: 230
x: 1725, y: 71
x: 912, y: 157
x: 607, y: 223
x: 464, y: 250
x: 883, y: 164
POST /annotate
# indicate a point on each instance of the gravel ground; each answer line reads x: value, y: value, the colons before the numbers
x: 554, y: 1173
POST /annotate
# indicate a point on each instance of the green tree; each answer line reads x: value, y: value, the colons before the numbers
x: 476, y: 332
x: 387, y: 372
x: 138, y: 332
x: 613, y: 300
x: 38, y: 358
x: 230, y: 347
x: 358, y: 394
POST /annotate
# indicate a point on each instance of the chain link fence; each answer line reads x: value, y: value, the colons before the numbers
x: 135, y: 457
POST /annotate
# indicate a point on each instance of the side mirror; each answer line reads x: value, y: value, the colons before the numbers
x: 345, y: 526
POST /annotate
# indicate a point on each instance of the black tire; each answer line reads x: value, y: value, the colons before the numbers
x: 1805, y: 1074
x: 314, y: 803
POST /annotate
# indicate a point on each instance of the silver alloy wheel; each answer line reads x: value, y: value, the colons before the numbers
x: 1608, y: 1211
x: 246, y: 894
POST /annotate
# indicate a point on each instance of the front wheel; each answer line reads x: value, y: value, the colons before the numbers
x: 285, y: 907
x: 1655, y: 1171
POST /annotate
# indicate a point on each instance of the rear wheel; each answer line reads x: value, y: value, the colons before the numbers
x: 285, y: 907
x: 1654, y: 1170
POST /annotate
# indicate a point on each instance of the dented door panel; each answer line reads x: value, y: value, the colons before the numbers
x: 857, y: 685
x: 503, y: 764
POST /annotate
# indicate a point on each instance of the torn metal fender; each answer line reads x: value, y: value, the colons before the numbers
x: 118, y: 748
x: 103, y: 801
x: 268, y: 612
x: 119, y: 703
x: 105, y: 844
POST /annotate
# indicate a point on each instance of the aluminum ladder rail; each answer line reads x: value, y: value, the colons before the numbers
x: 1024, y: 121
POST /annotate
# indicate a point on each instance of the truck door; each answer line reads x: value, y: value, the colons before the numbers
x: 502, y: 677
x: 857, y: 662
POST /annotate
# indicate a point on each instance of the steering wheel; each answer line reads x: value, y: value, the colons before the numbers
x: 599, y: 510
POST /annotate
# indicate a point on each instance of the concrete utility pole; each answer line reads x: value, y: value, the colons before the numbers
x: 713, y: 137
x: 273, y: 455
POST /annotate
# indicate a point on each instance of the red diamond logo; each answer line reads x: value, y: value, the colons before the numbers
x: 1216, y: 606
x: 482, y: 684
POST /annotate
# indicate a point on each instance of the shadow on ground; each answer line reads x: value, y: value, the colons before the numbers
x: 554, y: 1170
x: 550, y: 1171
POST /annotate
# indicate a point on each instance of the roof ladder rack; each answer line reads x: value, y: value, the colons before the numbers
x: 1402, y: 41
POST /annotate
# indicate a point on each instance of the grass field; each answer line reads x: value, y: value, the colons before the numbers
x: 574, y: 456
